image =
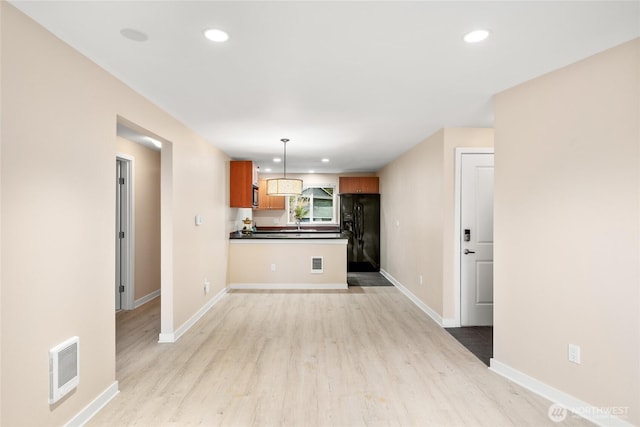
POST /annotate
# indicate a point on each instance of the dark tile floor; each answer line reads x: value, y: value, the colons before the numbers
x: 477, y: 339
x: 367, y: 279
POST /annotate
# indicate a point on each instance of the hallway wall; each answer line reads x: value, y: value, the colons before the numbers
x: 567, y: 235
x: 417, y: 216
x: 59, y: 116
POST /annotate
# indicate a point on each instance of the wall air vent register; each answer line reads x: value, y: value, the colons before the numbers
x: 317, y: 264
x: 64, y: 368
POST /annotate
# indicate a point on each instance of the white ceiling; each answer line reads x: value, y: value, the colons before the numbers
x: 359, y: 82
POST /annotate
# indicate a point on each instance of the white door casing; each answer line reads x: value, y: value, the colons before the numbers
x: 124, y: 283
x: 476, y: 239
x: 119, y: 209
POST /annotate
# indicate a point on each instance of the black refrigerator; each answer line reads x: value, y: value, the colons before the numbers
x: 360, y: 223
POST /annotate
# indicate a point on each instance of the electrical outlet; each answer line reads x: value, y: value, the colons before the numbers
x: 420, y: 279
x: 276, y: 221
x: 574, y: 353
x: 206, y: 286
x: 273, y: 267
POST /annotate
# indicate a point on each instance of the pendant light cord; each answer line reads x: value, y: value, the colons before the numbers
x: 284, y: 141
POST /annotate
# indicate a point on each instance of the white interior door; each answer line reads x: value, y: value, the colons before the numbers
x: 476, y: 234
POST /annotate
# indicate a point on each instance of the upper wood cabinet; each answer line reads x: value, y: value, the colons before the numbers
x: 242, y: 179
x: 359, y: 184
x: 269, y: 202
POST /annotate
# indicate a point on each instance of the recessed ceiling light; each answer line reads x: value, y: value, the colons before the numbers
x: 267, y: 170
x: 135, y: 35
x: 216, y: 35
x: 476, y: 36
x: 277, y: 159
x: 325, y: 160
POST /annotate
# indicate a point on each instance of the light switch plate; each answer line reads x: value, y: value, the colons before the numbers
x: 574, y: 353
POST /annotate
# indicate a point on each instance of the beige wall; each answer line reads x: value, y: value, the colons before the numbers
x: 59, y: 113
x: 411, y: 209
x: 250, y: 262
x: 417, y: 215
x: 146, y: 184
x: 201, y: 187
x: 567, y: 254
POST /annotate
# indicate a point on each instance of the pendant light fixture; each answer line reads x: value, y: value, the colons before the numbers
x: 284, y: 186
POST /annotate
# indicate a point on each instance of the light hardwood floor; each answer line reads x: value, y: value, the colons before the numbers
x: 362, y: 357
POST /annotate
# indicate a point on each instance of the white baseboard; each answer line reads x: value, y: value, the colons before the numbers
x: 450, y: 323
x: 175, y: 336
x: 289, y: 286
x: 599, y: 416
x: 145, y: 299
x: 83, y: 417
x: 444, y: 323
x: 166, y: 338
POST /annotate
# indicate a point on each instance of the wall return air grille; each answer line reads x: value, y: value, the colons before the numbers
x: 64, y: 368
x: 317, y: 264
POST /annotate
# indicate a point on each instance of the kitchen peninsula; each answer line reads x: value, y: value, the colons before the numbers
x: 287, y: 259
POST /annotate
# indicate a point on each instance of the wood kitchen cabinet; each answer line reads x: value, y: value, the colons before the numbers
x: 243, y: 178
x: 359, y: 184
x: 269, y: 202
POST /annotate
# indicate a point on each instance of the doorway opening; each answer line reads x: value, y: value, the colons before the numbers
x: 148, y: 278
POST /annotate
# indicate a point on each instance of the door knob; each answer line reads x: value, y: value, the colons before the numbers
x: 467, y: 251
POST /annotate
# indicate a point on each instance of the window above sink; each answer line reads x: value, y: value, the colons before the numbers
x: 316, y: 205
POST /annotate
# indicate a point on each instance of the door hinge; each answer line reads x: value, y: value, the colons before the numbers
x: 121, y: 181
x: 121, y: 234
x: 121, y: 288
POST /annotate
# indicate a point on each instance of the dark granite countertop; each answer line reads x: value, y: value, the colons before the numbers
x: 289, y: 234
